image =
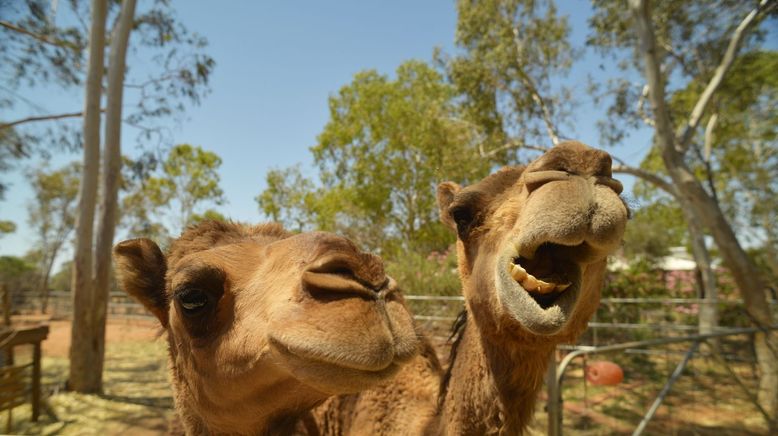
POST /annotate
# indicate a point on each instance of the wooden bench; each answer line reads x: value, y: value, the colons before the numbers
x: 16, y: 386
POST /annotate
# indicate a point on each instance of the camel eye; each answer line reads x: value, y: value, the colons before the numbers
x: 193, y: 301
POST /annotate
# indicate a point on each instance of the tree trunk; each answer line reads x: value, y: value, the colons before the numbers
x: 44, y: 286
x: 112, y: 160
x: 708, y: 315
x: 82, y: 346
x: 706, y: 210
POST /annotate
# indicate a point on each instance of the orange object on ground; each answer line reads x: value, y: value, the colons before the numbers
x: 604, y: 373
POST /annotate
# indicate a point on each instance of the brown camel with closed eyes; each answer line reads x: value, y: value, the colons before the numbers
x: 532, y: 245
x: 262, y: 325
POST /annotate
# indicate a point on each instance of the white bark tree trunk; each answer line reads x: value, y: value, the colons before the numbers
x: 111, y: 170
x: 708, y: 318
x: 705, y: 209
x: 81, y: 348
x: 92, y: 265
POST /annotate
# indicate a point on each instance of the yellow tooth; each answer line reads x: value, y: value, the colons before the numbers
x: 518, y: 273
x: 545, y: 288
x: 530, y: 283
x: 561, y: 288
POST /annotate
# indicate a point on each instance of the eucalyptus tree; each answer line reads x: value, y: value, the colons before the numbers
x: 52, y: 215
x: 387, y: 144
x: 686, y: 54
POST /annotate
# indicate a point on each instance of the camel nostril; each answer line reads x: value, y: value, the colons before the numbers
x: 338, y: 275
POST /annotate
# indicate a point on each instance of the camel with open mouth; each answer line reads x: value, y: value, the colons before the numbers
x: 532, y: 245
x: 262, y: 325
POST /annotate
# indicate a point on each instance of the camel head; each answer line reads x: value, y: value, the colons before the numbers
x: 261, y: 322
x: 532, y: 242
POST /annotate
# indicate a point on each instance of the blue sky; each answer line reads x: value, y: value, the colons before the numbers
x: 277, y: 63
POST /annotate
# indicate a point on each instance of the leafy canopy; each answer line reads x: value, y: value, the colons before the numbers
x: 387, y: 145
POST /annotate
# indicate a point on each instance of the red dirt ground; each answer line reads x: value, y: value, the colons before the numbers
x: 58, y: 342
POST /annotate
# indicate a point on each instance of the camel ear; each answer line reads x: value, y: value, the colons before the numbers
x: 140, y: 268
x: 446, y: 193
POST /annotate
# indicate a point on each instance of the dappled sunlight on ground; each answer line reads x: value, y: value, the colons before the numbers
x: 136, y: 400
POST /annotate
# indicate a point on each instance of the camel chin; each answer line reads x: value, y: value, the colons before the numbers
x: 540, y: 293
x: 333, y: 377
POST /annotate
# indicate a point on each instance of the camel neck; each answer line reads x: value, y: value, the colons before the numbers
x: 493, y: 385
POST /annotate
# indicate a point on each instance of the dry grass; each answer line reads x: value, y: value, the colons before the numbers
x: 136, y: 399
x: 705, y: 400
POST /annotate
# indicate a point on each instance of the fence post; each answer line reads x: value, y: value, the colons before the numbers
x: 36, y: 381
x: 6, y: 304
x: 554, y: 401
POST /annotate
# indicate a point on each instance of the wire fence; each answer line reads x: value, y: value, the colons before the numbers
x: 712, y: 392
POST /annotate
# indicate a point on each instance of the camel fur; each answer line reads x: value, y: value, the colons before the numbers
x: 262, y: 325
x: 532, y: 244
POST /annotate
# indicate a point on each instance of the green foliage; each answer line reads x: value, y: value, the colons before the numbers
x: 640, y: 279
x: 511, y: 52
x: 208, y: 215
x: 7, y: 227
x: 55, y: 196
x: 17, y: 273
x: 289, y: 198
x: 52, y: 213
x: 431, y: 274
x: 45, y: 42
x: 653, y: 229
x: 387, y: 145
x: 163, y: 198
x: 61, y: 280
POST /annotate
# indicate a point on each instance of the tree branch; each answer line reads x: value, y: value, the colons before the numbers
x: 42, y: 118
x: 709, y: 137
x: 648, y: 177
x: 533, y: 90
x: 42, y: 38
x: 685, y: 133
x: 641, y: 107
x: 654, y: 79
x: 508, y: 146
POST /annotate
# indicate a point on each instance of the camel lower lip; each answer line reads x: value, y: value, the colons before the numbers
x: 313, y: 357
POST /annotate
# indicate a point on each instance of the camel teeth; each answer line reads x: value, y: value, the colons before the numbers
x: 530, y: 283
x: 545, y: 288
x: 518, y: 273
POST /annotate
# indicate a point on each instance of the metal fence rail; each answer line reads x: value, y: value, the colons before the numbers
x: 438, y: 312
x: 556, y: 373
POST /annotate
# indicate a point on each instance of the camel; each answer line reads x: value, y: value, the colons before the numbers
x: 532, y: 245
x: 262, y: 325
